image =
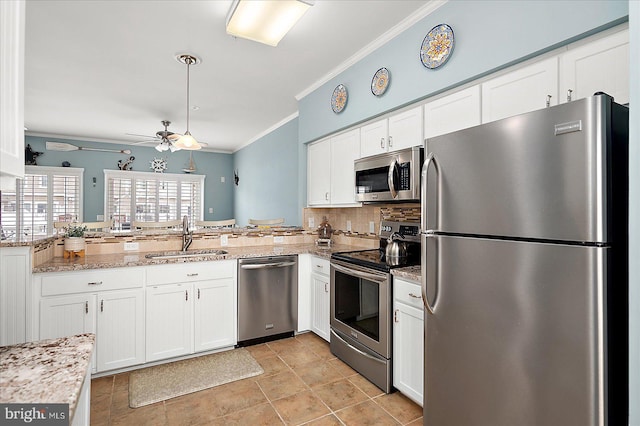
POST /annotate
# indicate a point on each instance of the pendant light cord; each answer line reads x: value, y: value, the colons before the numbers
x: 188, y: 60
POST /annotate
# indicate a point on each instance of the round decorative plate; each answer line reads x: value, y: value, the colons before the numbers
x: 339, y: 98
x: 437, y: 46
x: 380, y: 81
x: 158, y: 165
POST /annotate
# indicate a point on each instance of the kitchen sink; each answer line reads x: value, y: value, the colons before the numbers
x: 190, y: 253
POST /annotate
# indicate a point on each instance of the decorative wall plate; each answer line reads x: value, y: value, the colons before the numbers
x: 158, y: 165
x: 437, y: 46
x: 339, y: 98
x: 380, y: 81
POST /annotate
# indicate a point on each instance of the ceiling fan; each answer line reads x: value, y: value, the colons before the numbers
x: 165, y: 137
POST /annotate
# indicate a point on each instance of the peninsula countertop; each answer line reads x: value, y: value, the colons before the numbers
x: 47, y: 371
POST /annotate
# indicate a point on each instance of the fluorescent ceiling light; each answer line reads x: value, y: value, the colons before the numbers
x: 265, y: 21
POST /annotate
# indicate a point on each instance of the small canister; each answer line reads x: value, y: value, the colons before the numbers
x: 324, y: 232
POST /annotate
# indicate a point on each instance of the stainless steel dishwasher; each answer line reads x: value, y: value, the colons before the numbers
x: 267, y: 298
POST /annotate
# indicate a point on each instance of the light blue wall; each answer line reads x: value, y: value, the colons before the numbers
x: 489, y: 35
x: 634, y: 216
x: 213, y: 165
x: 269, y: 177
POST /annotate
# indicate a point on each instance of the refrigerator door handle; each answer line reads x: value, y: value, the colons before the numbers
x: 390, y: 179
x: 423, y: 191
x: 429, y: 268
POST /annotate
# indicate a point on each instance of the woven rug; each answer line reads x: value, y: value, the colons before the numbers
x: 166, y: 381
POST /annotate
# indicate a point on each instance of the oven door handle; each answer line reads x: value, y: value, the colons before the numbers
x: 360, y: 274
x: 363, y: 353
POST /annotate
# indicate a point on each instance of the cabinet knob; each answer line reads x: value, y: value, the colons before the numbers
x: 382, y: 143
x: 192, y: 275
x: 326, y: 290
x: 198, y: 293
x: 95, y: 283
x: 326, y: 196
x: 86, y: 307
x: 186, y: 295
x: 549, y: 100
x: 569, y: 92
x: 395, y: 316
x: 102, y: 305
x: 390, y: 141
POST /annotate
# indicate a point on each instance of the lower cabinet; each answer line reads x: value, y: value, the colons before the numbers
x: 408, y: 339
x: 320, y: 300
x: 15, y: 280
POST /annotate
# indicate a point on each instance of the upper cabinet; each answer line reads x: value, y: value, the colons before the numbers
x: 526, y: 89
x: 601, y: 65
x: 331, y: 176
x: 399, y: 131
x: 12, y: 26
x: 456, y: 111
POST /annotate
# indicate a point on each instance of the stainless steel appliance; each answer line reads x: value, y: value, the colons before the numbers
x: 525, y: 269
x: 361, y: 304
x: 393, y: 176
x: 267, y: 298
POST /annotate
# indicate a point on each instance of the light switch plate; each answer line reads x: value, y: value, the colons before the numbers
x: 100, y: 217
x: 372, y: 227
x: 348, y: 226
x: 278, y: 240
x: 312, y: 223
x: 224, y: 240
x: 131, y: 246
x: 210, y: 210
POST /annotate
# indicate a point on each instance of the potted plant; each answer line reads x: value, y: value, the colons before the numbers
x: 74, y: 238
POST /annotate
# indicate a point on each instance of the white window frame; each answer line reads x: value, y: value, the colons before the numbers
x: 134, y: 176
x: 49, y: 172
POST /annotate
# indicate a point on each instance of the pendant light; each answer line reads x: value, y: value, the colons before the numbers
x: 187, y: 141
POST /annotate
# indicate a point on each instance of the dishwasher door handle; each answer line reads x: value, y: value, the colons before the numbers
x: 267, y: 265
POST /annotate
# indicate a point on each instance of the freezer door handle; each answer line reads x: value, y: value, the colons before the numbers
x: 423, y: 192
x: 429, y: 266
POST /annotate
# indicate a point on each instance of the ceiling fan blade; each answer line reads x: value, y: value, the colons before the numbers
x: 61, y: 146
x: 146, y: 142
x: 142, y: 136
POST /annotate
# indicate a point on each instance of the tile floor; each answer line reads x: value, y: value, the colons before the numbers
x: 302, y: 383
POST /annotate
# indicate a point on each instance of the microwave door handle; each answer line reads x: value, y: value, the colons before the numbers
x: 390, y: 180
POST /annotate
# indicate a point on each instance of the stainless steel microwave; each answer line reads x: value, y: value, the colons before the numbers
x: 392, y: 176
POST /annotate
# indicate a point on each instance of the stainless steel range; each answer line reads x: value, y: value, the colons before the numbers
x: 361, y: 302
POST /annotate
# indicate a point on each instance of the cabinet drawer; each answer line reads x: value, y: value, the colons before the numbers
x: 188, y: 272
x: 91, y: 281
x: 320, y: 265
x: 408, y: 293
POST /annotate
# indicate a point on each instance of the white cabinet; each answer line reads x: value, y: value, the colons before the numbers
x: 304, y: 293
x: 399, y: 131
x: 190, y: 308
x: 408, y: 339
x: 600, y: 65
x: 15, y: 280
x: 523, y: 90
x: 331, y: 176
x: 109, y: 303
x: 456, y: 111
x: 12, y: 46
x: 320, y: 299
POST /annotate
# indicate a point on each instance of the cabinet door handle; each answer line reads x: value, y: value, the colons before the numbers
x: 569, y: 92
x: 95, y: 283
x: 326, y: 290
x: 102, y: 305
x: 395, y: 316
x: 193, y: 275
x: 186, y: 295
x: 198, y: 293
x: 414, y: 296
x: 86, y: 307
x: 390, y: 141
x: 382, y: 143
x: 326, y: 196
x: 549, y: 100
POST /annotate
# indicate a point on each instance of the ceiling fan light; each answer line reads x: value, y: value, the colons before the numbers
x: 188, y: 142
x: 266, y: 21
x: 173, y: 147
x: 161, y: 147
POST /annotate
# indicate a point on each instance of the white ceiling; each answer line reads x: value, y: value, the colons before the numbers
x: 97, y: 70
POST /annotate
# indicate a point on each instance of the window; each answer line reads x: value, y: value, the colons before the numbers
x: 45, y: 195
x: 152, y: 197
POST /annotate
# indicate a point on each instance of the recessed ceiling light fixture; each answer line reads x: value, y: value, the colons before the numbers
x: 265, y: 21
x: 187, y: 141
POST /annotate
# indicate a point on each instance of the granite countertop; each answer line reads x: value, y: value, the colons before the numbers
x: 411, y: 273
x: 102, y: 261
x: 48, y: 371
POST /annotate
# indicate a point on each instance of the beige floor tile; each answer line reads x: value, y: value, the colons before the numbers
x: 191, y: 409
x: 271, y: 365
x: 300, y: 408
x: 329, y: 420
x: 400, y: 407
x: 321, y: 349
x: 310, y: 338
x: 366, y: 414
x: 151, y: 415
x: 315, y: 374
x: 297, y: 357
x: 366, y: 386
x: 260, y: 351
x: 100, y: 409
x: 260, y: 415
x: 417, y: 422
x: 236, y: 396
x: 121, y: 381
x: 285, y: 345
x: 102, y: 386
x: 120, y: 402
x: 342, y: 368
x: 281, y: 385
x: 340, y: 394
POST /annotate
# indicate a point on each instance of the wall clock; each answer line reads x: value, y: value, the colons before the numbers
x: 158, y: 165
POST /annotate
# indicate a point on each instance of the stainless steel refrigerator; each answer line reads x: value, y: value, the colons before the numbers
x: 524, y: 269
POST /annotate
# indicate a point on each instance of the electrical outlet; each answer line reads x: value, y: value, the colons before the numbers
x: 224, y: 240
x: 222, y: 179
x: 348, y: 226
x: 312, y: 223
x: 278, y: 240
x: 131, y: 246
x: 100, y: 218
x: 210, y: 210
x: 372, y: 227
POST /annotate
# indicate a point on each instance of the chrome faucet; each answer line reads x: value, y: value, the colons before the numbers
x: 187, y: 236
